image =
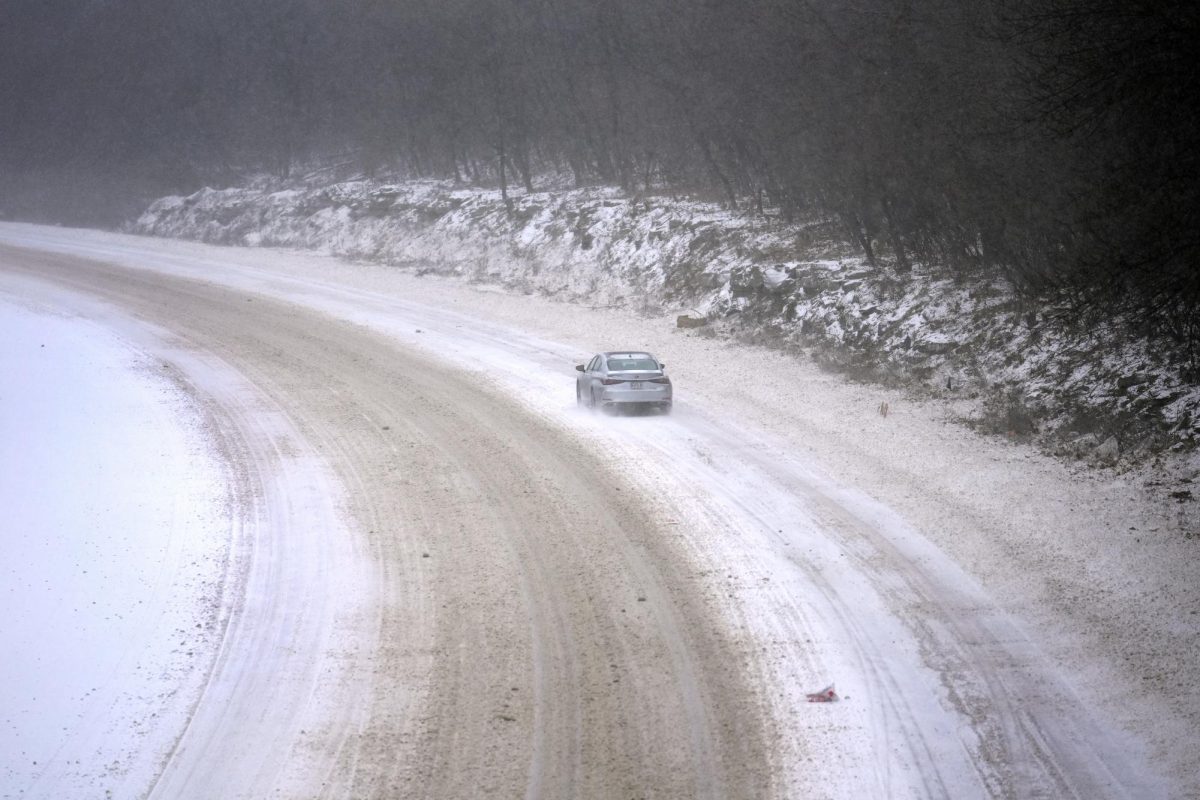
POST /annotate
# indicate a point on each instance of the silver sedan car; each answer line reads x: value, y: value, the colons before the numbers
x: 623, y: 379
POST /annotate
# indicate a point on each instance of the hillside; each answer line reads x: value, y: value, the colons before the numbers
x: 1103, y: 394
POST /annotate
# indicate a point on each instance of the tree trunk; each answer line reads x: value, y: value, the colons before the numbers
x: 508, y: 206
x: 861, y: 234
x: 894, y: 236
x: 715, y: 168
x: 521, y: 162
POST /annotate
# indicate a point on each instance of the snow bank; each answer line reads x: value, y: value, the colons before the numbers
x: 113, y: 554
x: 1098, y: 392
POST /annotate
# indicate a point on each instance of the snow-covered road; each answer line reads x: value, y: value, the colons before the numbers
x: 446, y: 579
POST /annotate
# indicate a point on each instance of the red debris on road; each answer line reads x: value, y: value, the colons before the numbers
x: 826, y: 695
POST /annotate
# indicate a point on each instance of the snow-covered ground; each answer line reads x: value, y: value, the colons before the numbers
x: 152, y: 499
x: 995, y: 620
x: 114, y: 550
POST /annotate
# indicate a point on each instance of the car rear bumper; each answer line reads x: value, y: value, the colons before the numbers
x: 655, y: 394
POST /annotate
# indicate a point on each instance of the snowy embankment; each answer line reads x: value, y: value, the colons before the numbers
x: 1094, y: 392
x: 114, y: 555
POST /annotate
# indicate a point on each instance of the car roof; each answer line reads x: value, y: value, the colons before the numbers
x: 628, y: 354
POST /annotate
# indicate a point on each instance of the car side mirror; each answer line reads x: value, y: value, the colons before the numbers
x: 579, y: 367
x: 661, y: 365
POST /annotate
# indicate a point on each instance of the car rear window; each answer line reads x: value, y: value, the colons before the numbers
x: 624, y: 364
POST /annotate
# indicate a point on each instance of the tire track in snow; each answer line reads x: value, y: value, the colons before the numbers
x: 549, y: 645
x: 955, y: 699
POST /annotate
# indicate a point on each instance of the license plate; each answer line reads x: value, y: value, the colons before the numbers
x: 635, y: 385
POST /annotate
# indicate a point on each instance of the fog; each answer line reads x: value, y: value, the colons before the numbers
x: 1051, y: 141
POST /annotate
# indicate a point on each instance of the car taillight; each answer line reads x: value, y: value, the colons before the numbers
x: 611, y: 381
x: 663, y: 379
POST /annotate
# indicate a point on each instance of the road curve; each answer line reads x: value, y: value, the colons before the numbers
x: 532, y: 632
x: 524, y: 622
